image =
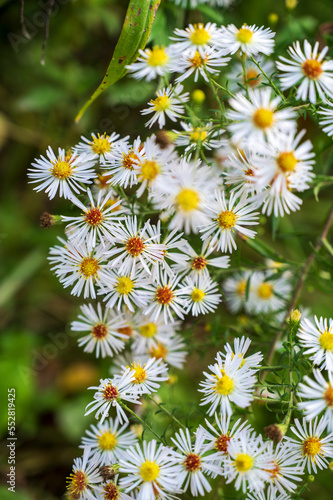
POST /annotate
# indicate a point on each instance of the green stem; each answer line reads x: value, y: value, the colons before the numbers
x: 272, y: 84
x: 142, y: 422
x: 165, y: 410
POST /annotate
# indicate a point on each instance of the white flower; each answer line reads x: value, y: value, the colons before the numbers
x: 171, y: 350
x: 308, y: 67
x: 253, y: 75
x: 226, y: 218
x: 152, y: 63
x: 198, y: 137
x: 228, y: 383
x: 199, y: 64
x: 240, y: 348
x: 234, y: 289
x: 111, y: 392
x: 138, y: 247
x: 202, y: 294
x: 327, y: 121
x: 257, y: 118
x: 147, y: 376
x: 287, y: 468
x: 99, y: 145
x: 196, y: 37
x: 104, y: 329
x: 219, y: 439
x: 129, y: 289
x: 319, y: 396
x: 148, y: 334
x: 166, y: 298
x: 77, y: 266
x: 270, y: 494
x: 63, y: 174
x: 183, y: 192
x: 195, y: 463
x: 111, y: 491
x: 266, y: 293
x: 109, y: 440
x: 120, y: 165
x: 84, y: 480
x: 317, y: 340
x: 310, y: 449
x: 198, y: 263
x: 96, y: 223
x: 248, y: 463
x: 248, y: 39
x: 169, y: 102
x: 151, y: 470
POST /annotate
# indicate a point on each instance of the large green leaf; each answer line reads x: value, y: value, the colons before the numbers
x: 134, y: 36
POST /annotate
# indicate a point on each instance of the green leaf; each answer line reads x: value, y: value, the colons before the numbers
x: 133, y: 37
x: 211, y: 13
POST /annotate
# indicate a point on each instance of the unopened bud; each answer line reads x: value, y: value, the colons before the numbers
x: 295, y: 316
x: 108, y: 473
x: 273, y: 18
x: 310, y: 478
x: 198, y: 96
x: 291, y: 4
x: 46, y: 220
x: 275, y: 432
x: 163, y: 139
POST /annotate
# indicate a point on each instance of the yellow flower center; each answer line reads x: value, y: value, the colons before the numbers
x: 125, y: 285
x: 149, y: 471
x: 311, y: 446
x: 100, y: 144
x: 265, y: 291
x: 200, y: 35
x: 224, y: 385
x: 158, y: 352
x: 243, y: 462
x: 187, y: 199
x: 253, y: 77
x: 196, y: 60
x: 312, y: 69
x: 198, y: 135
x: 89, y: 267
x: 158, y: 56
x: 161, y: 103
x: 149, y: 170
x: 107, y: 441
x: 328, y: 396
x: 286, y: 161
x: 226, y: 219
x: 140, y: 373
x: 241, y: 287
x: 148, y: 330
x: 197, y: 295
x: 263, y: 118
x: 244, y: 35
x: 128, y: 160
x: 62, y: 169
x: 326, y: 340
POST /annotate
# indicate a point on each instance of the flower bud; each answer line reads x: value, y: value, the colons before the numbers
x: 291, y: 4
x: 273, y: 18
x: 275, y: 432
x: 198, y: 96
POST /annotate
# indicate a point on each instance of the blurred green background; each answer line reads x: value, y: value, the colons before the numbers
x: 39, y: 356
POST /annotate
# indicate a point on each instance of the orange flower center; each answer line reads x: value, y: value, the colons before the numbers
x: 110, y: 492
x: 328, y: 396
x: 221, y: 444
x: 94, y: 217
x: 99, y: 331
x: 312, y: 69
x: 192, y: 462
x: 135, y: 246
x: 164, y: 295
x: 110, y: 393
x: 199, y: 263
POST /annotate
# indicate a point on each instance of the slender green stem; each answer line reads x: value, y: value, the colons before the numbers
x: 245, y: 75
x: 272, y: 84
x: 165, y: 410
x: 142, y: 422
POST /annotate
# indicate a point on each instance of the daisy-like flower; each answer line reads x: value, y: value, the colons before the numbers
x: 240, y: 348
x: 120, y: 164
x: 110, y: 440
x: 84, y: 481
x: 226, y: 218
x: 310, y: 449
x: 148, y: 334
x: 77, y: 266
x: 63, y: 174
x: 198, y: 263
x: 287, y: 470
x: 104, y: 335
x: 317, y: 340
x: 137, y: 248
x: 266, y: 292
x: 151, y: 470
x: 202, y: 295
x: 183, y: 192
x: 169, y: 102
x: 98, y: 145
x: 165, y: 299
x: 327, y: 121
x: 309, y: 68
x: 195, y: 463
x: 170, y: 350
x: 112, y: 491
x: 148, y: 376
x: 253, y: 75
x: 199, y: 64
x: 234, y: 289
x: 194, y: 137
x: 196, y: 37
x: 110, y: 393
x: 257, y: 118
x: 270, y: 494
x: 96, y: 223
x: 249, y: 463
x: 153, y: 164
x: 219, y: 439
x: 129, y: 289
x: 250, y: 40
x: 152, y: 63
x: 319, y: 396
x: 228, y: 383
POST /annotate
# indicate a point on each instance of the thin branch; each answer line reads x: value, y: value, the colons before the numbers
x: 23, y: 26
x: 47, y: 27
